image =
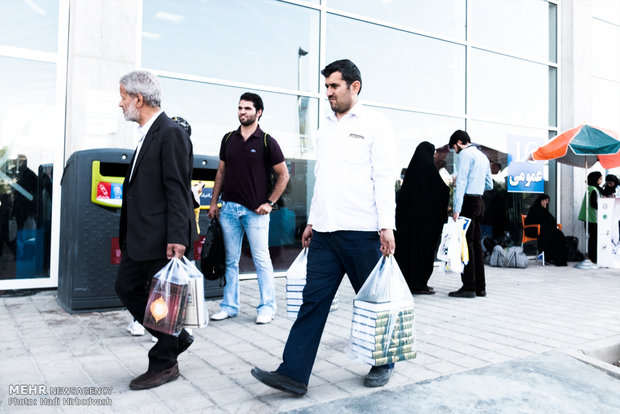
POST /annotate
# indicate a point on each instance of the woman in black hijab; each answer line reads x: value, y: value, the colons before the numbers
x: 421, y: 211
x: 611, y: 183
x: 551, y: 239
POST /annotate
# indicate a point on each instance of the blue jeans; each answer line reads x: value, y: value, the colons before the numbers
x: 235, y: 220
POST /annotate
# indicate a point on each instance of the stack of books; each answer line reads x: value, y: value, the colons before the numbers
x: 294, y: 297
x: 382, y: 333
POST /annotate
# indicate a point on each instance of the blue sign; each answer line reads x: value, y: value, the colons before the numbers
x: 524, y: 176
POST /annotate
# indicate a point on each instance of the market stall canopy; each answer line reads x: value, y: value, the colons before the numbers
x: 582, y: 146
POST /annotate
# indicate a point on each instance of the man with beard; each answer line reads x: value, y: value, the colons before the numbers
x: 246, y: 158
x: 157, y: 215
x: 350, y: 224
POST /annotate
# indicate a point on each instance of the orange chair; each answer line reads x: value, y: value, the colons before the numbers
x: 524, y: 238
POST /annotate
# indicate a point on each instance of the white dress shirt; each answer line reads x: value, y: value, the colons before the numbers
x: 355, y: 173
x: 142, y: 131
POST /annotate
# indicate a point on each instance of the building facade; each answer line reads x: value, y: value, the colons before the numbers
x: 496, y: 68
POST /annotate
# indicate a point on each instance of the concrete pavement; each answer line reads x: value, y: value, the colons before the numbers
x: 529, y: 314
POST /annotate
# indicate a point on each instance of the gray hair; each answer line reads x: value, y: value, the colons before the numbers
x: 143, y: 83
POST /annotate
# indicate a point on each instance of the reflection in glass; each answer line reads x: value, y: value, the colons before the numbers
x: 411, y: 128
x: 27, y: 109
x: 445, y: 17
x: 495, y: 135
x: 252, y: 41
x: 520, y: 27
x: 509, y: 89
x: 415, y: 71
x: 29, y: 24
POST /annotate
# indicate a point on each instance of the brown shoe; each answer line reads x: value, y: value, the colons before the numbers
x: 151, y: 379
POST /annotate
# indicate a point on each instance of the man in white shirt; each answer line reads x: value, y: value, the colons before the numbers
x: 350, y: 224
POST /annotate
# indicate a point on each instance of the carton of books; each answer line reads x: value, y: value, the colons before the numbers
x: 382, y: 333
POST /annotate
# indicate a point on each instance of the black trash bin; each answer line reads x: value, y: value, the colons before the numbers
x: 90, y: 215
x: 89, y: 246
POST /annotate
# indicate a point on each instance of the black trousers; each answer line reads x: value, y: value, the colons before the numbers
x: 473, y: 274
x: 132, y: 287
x: 592, y: 241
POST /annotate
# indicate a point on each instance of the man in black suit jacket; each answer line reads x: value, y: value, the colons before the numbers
x: 157, y: 220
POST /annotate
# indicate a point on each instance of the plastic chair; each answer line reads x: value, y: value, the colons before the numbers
x: 525, y: 239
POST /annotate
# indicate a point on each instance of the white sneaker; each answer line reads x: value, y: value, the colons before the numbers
x: 264, y: 318
x: 135, y: 329
x: 220, y: 316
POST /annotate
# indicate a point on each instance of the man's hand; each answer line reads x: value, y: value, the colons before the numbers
x: 263, y: 209
x: 455, y: 216
x: 306, y: 237
x: 388, y: 244
x: 214, y: 211
x: 174, y: 249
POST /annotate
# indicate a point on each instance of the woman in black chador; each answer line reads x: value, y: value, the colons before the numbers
x: 421, y: 211
x: 551, y: 239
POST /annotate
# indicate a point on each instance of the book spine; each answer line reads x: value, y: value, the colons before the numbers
x: 400, y: 350
x: 394, y: 342
x: 389, y: 359
x: 396, y: 319
x: 382, y: 314
x: 382, y: 330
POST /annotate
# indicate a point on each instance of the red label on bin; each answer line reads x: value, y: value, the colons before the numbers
x: 103, y: 190
x: 115, y: 252
x: 198, y: 247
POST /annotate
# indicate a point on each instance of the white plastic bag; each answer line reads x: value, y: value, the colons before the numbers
x: 196, y: 313
x: 382, y: 328
x: 295, y: 283
x: 453, y: 249
x: 165, y: 309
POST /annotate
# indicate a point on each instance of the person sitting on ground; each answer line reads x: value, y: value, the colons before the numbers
x: 551, y: 240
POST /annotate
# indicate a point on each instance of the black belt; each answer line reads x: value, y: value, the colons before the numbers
x: 473, y: 195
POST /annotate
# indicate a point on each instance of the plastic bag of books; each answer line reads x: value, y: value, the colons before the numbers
x: 453, y: 252
x: 295, y: 282
x: 382, y: 329
x: 165, y: 309
x: 196, y: 313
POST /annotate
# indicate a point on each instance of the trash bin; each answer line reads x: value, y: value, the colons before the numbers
x: 92, y: 193
x: 92, y: 189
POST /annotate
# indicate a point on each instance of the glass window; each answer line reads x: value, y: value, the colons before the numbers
x: 608, y: 10
x: 517, y: 26
x: 29, y: 24
x: 400, y: 68
x: 445, y: 17
x: 411, y: 128
x: 268, y: 43
x: 211, y: 110
x: 509, y: 89
x: 27, y: 109
x: 605, y: 50
x: 606, y: 104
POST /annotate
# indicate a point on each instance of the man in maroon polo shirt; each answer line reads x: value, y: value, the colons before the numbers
x: 246, y: 156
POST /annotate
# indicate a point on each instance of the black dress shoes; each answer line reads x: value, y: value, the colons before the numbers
x: 152, y: 379
x: 481, y: 293
x: 427, y: 290
x: 378, y: 376
x: 279, y: 382
x: 185, y: 340
x: 463, y: 294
